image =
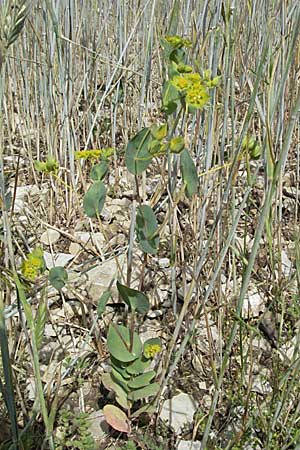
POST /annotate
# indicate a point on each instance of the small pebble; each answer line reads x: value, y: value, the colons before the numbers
x: 164, y: 263
x: 50, y: 237
x: 154, y: 314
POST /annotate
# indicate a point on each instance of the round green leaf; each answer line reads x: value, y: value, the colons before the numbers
x: 118, y: 343
x: 94, y: 199
x: 58, y: 277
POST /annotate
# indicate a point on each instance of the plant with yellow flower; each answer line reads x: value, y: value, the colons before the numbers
x: 33, y: 265
x: 132, y: 375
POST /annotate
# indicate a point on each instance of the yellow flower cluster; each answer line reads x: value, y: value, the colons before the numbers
x: 181, y: 82
x: 193, y: 87
x: 33, y: 265
x: 88, y: 154
x: 151, y: 350
x: 197, y: 97
x: 94, y: 154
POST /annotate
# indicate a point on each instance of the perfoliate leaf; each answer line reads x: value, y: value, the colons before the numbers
x: 120, y: 367
x: 121, y: 395
x: 156, y: 148
x: 248, y: 143
x: 138, y: 366
x: 118, y: 343
x: 119, y: 379
x: 141, y: 380
x: 159, y: 132
x: 137, y: 155
x: 147, y: 391
x: 172, y: 69
x: 116, y: 418
x: 49, y: 166
x: 177, y: 144
x: 214, y: 82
